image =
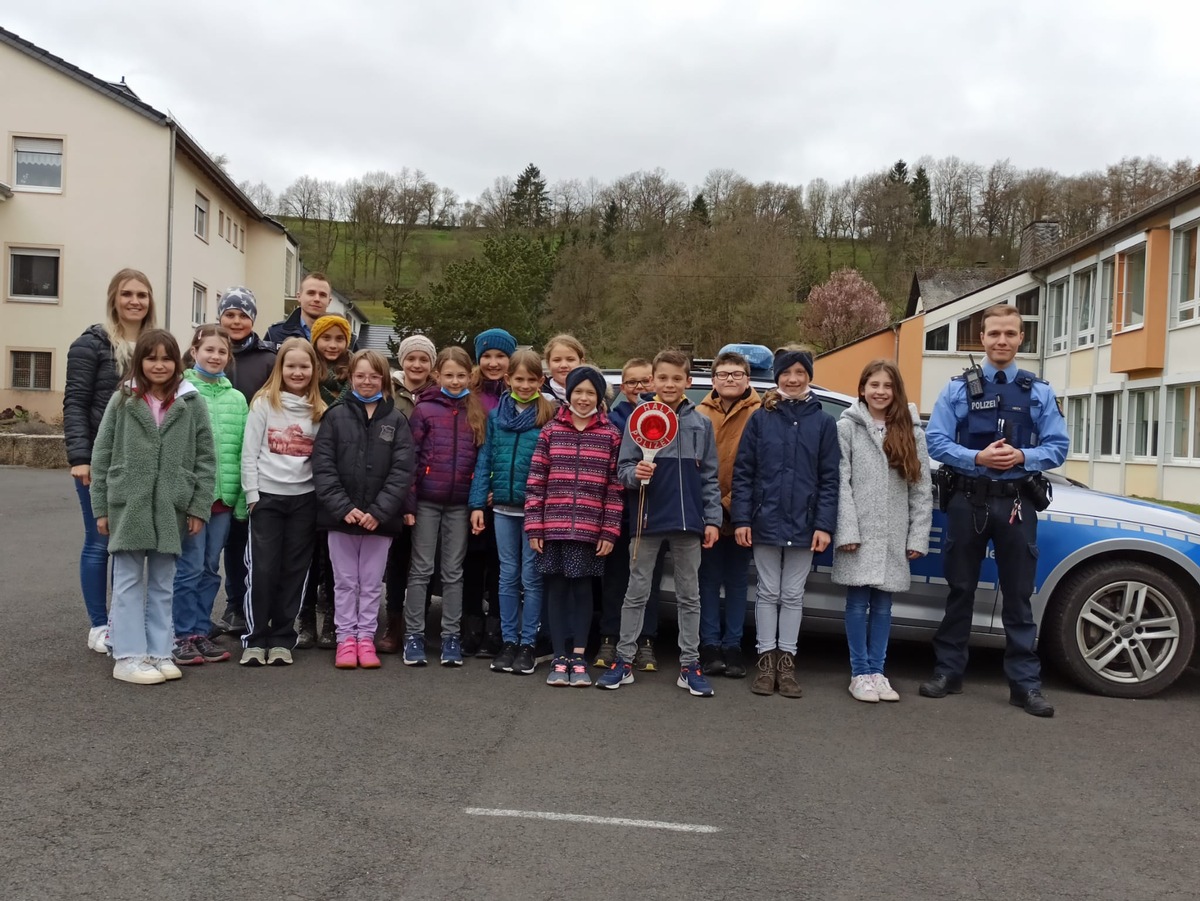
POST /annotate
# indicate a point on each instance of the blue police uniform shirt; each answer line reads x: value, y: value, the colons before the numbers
x: 950, y: 412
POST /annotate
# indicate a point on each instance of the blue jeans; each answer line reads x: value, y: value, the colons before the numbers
x: 725, y: 563
x: 518, y: 570
x: 198, y: 577
x: 93, y: 562
x: 868, y: 622
x: 141, y: 605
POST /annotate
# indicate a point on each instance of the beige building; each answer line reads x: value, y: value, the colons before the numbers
x: 92, y: 180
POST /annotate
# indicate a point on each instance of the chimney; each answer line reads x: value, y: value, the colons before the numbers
x: 1038, y: 239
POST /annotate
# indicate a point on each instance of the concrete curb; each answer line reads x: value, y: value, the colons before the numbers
x: 38, y: 451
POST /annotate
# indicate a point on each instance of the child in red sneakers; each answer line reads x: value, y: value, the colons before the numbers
x: 573, y: 504
x: 362, y: 469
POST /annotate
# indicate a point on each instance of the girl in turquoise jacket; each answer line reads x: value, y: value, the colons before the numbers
x: 198, y: 572
x: 153, y: 472
x: 500, y: 473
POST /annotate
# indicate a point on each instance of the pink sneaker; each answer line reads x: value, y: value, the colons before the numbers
x: 367, y: 658
x: 347, y: 654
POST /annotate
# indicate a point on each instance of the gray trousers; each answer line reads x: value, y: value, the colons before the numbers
x: 685, y: 555
x: 452, y: 525
x: 779, y: 604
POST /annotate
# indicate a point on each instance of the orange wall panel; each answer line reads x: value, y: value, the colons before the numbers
x: 839, y: 369
x: 911, y: 358
x: 1144, y: 348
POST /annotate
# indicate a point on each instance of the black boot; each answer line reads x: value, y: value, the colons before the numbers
x: 308, y: 628
x: 472, y: 635
x: 492, y: 641
x: 328, y: 636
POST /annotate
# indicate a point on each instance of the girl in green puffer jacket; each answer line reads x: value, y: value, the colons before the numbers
x: 198, y: 572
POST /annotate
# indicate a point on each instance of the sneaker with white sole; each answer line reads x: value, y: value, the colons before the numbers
x: 167, y: 667
x: 254, y: 657
x: 279, y: 657
x: 883, y: 688
x: 560, y: 672
x: 96, y: 636
x: 137, y: 672
x: 862, y: 688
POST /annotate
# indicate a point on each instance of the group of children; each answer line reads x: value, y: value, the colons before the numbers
x: 400, y: 477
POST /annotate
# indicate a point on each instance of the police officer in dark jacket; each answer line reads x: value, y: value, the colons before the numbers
x: 996, y: 428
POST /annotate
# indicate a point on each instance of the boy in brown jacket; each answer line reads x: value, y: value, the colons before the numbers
x: 726, y: 563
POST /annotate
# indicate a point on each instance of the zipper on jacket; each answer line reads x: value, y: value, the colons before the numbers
x: 454, y: 457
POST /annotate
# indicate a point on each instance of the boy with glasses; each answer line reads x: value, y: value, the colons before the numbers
x: 728, y: 407
x: 637, y: 377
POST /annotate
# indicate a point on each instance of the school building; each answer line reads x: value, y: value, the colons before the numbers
x: 1112, y: 321
x: 93, y: 180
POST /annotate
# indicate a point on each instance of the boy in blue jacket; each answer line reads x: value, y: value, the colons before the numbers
x: 682, y: 507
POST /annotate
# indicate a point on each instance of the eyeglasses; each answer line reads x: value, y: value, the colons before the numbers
x: 636, y: 383
x: 729, y: 376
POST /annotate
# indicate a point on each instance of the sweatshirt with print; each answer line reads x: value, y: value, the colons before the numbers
x: 277, y: 449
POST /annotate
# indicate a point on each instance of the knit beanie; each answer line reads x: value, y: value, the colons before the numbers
x: 416, y: 343
x: 495, y: 339
x: 325, y: 323
x: 581, y: 374
x: 786, y: 359
x: 238, y: 299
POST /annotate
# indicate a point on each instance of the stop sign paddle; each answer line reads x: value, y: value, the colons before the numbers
x: 652, y: 426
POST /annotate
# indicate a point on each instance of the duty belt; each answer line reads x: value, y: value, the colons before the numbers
x: 983, y: 486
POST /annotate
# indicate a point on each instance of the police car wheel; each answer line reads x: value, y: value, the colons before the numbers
x: 1120, y: 628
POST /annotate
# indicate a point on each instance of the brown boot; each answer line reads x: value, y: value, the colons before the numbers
x: 390, y: 643
x: 788, y: 686
x: 764, y: 681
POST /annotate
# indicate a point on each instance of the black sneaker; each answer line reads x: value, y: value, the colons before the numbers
x: 307, y: 636
x: 503, y: 662
x: 644, y: 659
x: 209, y: 650
x: 472, y: 629
x: 327, y: 638
x: 607, y: 653
x: 735, y: 664
x: 524, y: 663
x: 491, y: 645
x: 231, y: 623
x: 711, y: 660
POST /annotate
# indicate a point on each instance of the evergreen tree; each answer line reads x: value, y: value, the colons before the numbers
x: 898, y: 174
x: 530, y: 199
x: 699, y: 213
x: 922, y: 198
x: 609, y: 226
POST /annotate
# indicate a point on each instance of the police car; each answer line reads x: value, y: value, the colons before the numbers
x: 1116, y: 592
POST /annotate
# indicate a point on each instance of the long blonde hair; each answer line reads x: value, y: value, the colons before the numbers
x: 531, y: 362
x: 272, y: 391
x: 122, y: 344
x: 476, y: 414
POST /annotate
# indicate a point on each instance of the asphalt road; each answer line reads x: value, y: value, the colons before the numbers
x: 312, y: 783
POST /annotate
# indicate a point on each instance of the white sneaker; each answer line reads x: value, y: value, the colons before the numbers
x: 253, y: 657
x: 96, y: 637
x: 167, y: 667
x: 883, y: 687
x: 279, y: 657
x: 139, y: 672
x: 862, y: 688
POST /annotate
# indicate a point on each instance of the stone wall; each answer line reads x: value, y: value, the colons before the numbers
x: 39, y: 451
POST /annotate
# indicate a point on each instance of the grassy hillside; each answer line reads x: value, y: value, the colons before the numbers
x: 429, y: 250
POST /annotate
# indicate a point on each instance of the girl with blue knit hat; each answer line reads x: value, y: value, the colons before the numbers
x: 489, y: 383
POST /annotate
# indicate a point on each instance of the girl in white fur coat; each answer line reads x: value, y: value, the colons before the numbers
x: 885, y: 505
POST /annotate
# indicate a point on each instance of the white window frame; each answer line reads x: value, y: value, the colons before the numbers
x: 1106, y: 286
x: 1127, y: 314
x: 200, y: 217
x: 1079, y: 424
x: 42, y: 146
x: 33, y: 352
x: 1084, y: 307
x: 199, y: 304
x: 1185, y: 310
x: 14, y: 251
x: 945, y: 326
x: 1058, y: 317
x: 289, y: 272
x: 1114, y: 427
x: 1144, y: 424
x: 1189, y: 421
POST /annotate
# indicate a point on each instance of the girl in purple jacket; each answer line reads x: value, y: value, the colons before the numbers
x: 448, y: 425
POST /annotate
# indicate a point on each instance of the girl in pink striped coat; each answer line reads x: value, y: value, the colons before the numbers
x: 573, y: 516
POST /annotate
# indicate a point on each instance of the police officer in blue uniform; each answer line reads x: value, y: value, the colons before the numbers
x: 996, y: 434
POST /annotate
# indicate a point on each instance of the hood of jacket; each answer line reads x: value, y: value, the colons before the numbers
x: 207, y: 387
x: 185, y: 387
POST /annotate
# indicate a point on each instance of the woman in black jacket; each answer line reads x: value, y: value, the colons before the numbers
x: 362, y: 468
x: 96, y: 362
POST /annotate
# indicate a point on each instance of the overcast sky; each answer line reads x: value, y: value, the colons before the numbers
x: 468, y: 90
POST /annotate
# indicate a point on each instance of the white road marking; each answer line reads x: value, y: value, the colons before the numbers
x: 583, y: 818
